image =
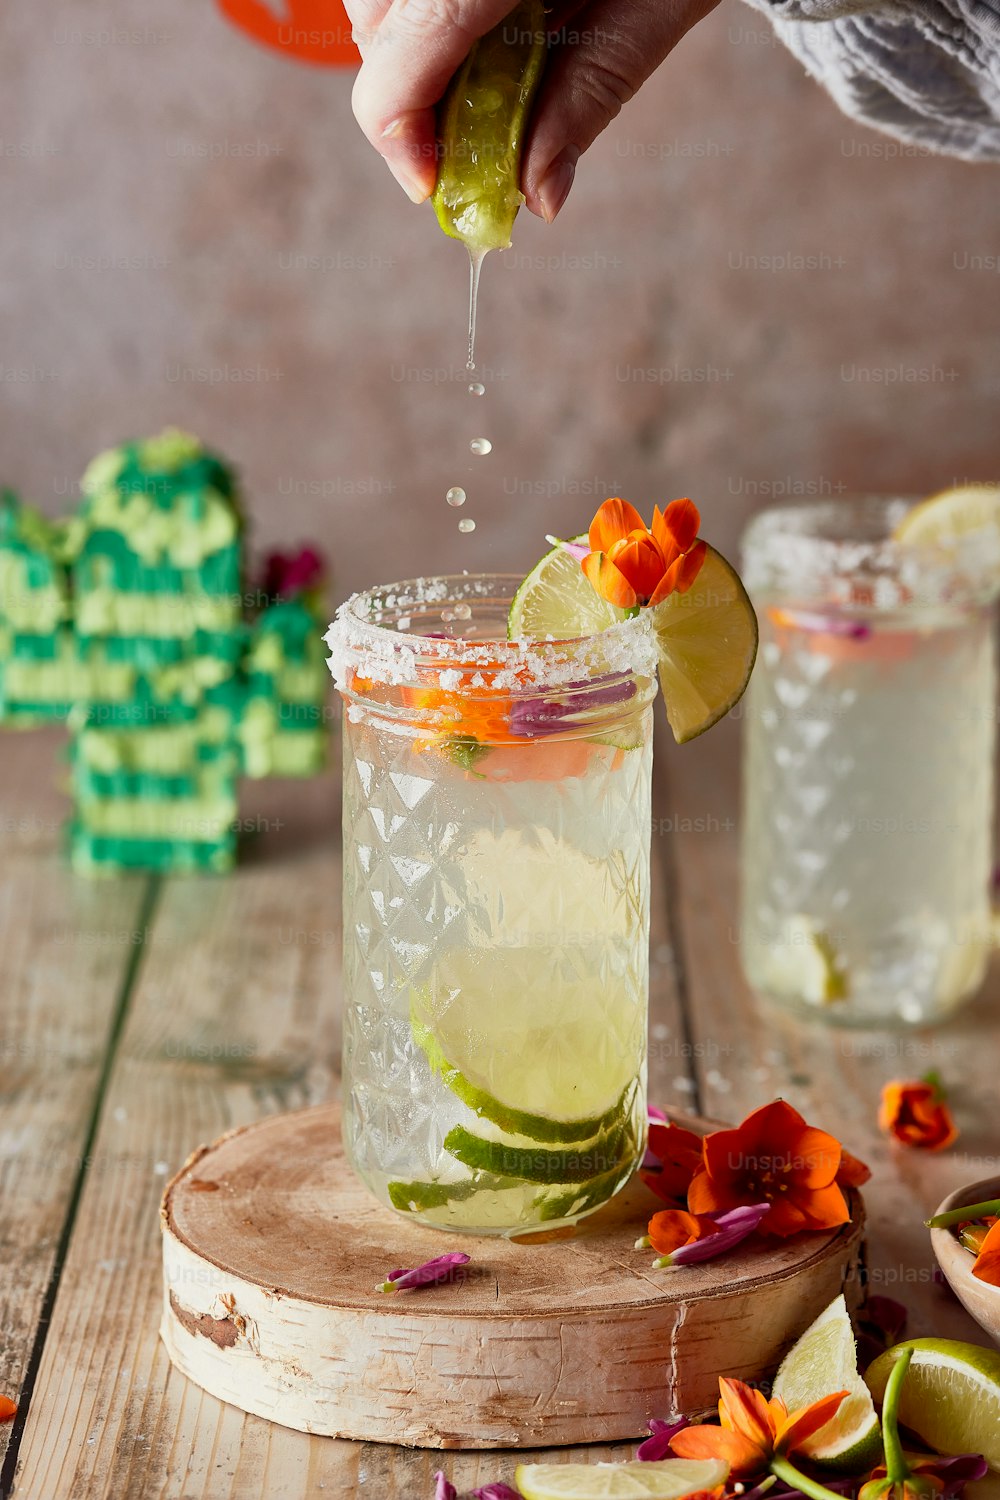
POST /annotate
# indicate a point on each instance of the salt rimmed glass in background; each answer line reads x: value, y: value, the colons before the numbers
x: 496, y: 906
x: 868, y: 765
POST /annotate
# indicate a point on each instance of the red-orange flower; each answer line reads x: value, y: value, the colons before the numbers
x: 987, y: 1263
x: 8, y: 1409
x: 754, y: 1430
x: 677, y: 1154
x: 917, y: 1114
x: 631, y: 565
x: 674, y: 1227
x: 775, y: 1157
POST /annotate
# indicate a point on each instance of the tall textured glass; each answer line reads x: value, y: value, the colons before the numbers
x: 869, y: 765
x: 496, y: 906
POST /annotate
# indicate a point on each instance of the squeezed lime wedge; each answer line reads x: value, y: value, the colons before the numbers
x: 482, y: 121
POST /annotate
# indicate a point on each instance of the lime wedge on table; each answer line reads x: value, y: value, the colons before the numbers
x: 951, y: 514
x: 482, y: 121
x: 667, y: 1480
x: 707, y: 638
x: 825, y: 1359
x: 950, y: 1397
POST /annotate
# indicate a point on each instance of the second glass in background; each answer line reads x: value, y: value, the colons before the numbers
x: 868, y: 766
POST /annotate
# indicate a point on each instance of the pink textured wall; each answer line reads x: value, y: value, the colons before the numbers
x: 744, y: 294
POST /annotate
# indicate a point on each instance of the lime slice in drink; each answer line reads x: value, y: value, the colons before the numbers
x: 667, y: 1480
x: 707, y: 638
x: 951, y: 514
x: 825, y: 1359
x: 482, y: 121
x: 420, y: 1197
x: 580, y: 1163
x: 514, y: 1121
x: 555, y: 1041
x: 950, y: 1397
x: 803, y: 965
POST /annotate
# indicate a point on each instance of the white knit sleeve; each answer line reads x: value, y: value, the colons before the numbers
x: 925, y: 71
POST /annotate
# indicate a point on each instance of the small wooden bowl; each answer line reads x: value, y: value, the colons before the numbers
x: 979, y: 1298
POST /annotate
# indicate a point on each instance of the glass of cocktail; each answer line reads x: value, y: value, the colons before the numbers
x: 497, y: 758
x: 496, y: 901
x: 869, y: 759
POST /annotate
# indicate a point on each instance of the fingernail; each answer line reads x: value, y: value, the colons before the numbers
x: 553, y: 190
x: 405, y: 156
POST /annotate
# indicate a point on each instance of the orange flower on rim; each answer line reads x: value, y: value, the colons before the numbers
x: 916, y: 1113
x: 986, y: 1266
x: 632, y: 565
x: 754, y: 1430
x: 775, y: 1157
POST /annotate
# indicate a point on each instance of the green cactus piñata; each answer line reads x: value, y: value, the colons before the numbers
x: 131, y: 621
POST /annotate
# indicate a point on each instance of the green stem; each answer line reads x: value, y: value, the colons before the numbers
x: 782, y: 1469
x: 959, y: 1215
x: 896, y: 1468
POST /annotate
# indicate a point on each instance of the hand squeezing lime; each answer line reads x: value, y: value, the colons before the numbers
x: 482, y: 122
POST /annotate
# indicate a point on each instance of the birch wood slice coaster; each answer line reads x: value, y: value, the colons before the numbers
x: 273, y: 1250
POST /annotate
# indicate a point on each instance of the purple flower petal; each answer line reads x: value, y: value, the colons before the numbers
x: 441, y: 1268
x: 443, y: 1489
x: 497, y: 1491
x: 657, y: 1445
x: 531, y: 717
x: 854, y: 630
x: 733, y: 1227
x: 656, y: 1113
x: 578, y: 550
x: 958, y: 1471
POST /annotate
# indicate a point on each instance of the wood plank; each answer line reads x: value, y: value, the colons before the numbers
x: 235, y: 1015
x: 833, y: 1075
x: 67, y: 945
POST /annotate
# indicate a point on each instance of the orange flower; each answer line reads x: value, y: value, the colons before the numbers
x: 754, y: 1430
x: 8, y: 1409
x: 987, y: 1263
x: 631, y: 565
x: 916, y: 1113
x: 677, y: 1154
x: 775, y: 1157
x: 673, y: 1227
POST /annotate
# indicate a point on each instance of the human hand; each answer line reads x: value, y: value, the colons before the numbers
x: 601, y: 52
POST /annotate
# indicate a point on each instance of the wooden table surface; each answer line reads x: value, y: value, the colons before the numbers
x: 141, y: 1017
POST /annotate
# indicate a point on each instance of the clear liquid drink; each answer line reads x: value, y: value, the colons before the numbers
x: 496, y: 907
x: 869, y: 766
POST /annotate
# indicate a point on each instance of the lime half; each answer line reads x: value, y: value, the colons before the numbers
x: 825, y: 1359
x: 950, y: 1397
x: 706, y: 638
x: 951, y: 514
x: 667, y: 1480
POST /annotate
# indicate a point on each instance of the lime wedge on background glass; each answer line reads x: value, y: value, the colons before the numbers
x: 951, y: 514
x: 707, y: 638
x: 481, y: 127
x: 667, y: 1480
x: 950, y: 1397
x: 825, y: 1359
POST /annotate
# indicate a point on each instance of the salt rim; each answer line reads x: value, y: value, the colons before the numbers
x: 369, y: 637
x: 786, y: 552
